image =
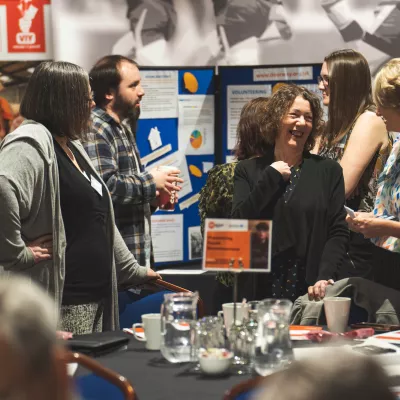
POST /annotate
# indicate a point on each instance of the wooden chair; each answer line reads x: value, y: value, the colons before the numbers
x: 132, y: 309
x: 91, y: 383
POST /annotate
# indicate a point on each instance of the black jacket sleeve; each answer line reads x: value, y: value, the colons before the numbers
x: 338, y: 233
x: 257, y: 201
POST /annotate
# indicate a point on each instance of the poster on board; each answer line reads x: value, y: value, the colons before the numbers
x: 25, y: 30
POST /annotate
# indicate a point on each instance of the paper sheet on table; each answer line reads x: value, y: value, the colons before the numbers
x: 181, y: 272
x: 167, y: 235
x: 390, y: 337
x: 196, y: 124
x: 237, y: 97
x: 139, y: 332
x: 298, y: 332
x: 178, y: 160
x: 161, y: 94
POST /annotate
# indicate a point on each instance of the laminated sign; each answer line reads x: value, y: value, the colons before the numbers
x: 237, y: 244
x: 25, y: 20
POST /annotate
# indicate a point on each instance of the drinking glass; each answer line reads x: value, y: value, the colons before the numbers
x: 273, y: 349
x: 178, y: 332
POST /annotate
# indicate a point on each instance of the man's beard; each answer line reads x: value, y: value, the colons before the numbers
x: 125, y: 109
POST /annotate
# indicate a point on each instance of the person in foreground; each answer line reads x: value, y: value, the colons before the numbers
x: 302, y: 193
x: 56, y: 215
x: 357, y: 138
x: 382, y: 224
x: 335, y: 376
x: 30, y: 356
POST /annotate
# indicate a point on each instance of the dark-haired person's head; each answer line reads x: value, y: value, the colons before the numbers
x: 345, y: 83
x: 115, y: 81
x: 251, y: 134
x: 294, y: 117
x: 58, y: 96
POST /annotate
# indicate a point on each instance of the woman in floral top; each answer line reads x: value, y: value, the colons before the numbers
x: 382, y: 224
x: 357, y: 138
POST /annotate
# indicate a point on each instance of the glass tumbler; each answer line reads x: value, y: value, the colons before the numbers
x: 178, y: 331
x: 273, y: 348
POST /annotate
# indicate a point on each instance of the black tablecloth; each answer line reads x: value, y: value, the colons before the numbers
x: 154, y: 378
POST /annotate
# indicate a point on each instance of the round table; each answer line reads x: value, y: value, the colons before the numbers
x: 154, y: 378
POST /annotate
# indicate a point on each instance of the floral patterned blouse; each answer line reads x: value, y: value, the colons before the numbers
x: 387, y: 202
x: 365, y: 193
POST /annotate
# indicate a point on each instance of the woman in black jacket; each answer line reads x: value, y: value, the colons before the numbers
x: 302, y: 193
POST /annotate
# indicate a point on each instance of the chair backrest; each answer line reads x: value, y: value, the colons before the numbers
x: 248, y: 389
x: 102, y: 383
x: 174, y: 288
x: 131, y: 309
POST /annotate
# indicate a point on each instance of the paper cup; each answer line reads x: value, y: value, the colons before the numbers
x: 337, y: 310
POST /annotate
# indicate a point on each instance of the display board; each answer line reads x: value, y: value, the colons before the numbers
x: 177, y: 128
x: 239, y: 84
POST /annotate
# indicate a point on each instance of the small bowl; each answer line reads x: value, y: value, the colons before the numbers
x: 215, y: 361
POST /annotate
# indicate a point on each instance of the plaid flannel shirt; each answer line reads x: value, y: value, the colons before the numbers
x: 112, y: 148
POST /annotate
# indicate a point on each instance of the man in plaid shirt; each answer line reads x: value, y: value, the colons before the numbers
x: 111, y: 145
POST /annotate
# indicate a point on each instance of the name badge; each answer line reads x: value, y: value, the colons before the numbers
x: 96, y: 185
x: 85, y: 175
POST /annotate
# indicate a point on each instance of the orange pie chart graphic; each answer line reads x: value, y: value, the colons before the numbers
x: 196, y: 139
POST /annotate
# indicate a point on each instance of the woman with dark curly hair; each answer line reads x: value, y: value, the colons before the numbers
x: 302, y: 193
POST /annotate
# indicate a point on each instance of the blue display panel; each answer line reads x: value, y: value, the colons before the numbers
x: 197, y: 164
x: 246, y: 82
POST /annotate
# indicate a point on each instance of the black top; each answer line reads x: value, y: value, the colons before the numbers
x: 84, y: 212
x: 311, y: 221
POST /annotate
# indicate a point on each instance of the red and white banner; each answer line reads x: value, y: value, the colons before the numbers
x: 25, y: 30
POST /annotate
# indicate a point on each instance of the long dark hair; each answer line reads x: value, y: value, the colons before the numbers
x: 57, y: 96
x: 350, y: 92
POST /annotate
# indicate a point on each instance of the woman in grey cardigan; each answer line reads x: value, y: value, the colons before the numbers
x: 56, y: 216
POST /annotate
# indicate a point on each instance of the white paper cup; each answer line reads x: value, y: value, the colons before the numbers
x: 151, y: 324
x: 242, y: 311
x: 337, y: 310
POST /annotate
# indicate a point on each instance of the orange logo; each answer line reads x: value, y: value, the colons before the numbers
x: 211, y: 224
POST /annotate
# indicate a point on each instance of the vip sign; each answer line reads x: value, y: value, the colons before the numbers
x: 26, y: 26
